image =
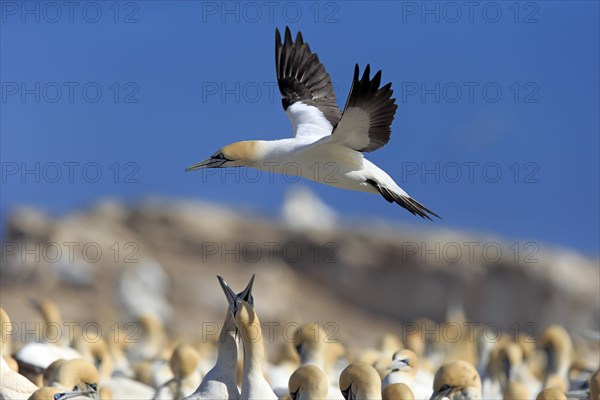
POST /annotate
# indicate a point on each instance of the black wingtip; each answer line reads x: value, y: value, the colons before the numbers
x: 367, y: 73
x: 288, y: 35
x: 277, y: 36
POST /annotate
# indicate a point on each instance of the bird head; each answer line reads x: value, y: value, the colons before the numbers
x: 238, y: 154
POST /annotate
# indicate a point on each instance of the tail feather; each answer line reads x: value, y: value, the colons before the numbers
x: 407, y: 202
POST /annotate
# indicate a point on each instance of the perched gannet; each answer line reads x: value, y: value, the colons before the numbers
x: 397, y: 391
x: 360, y: 381
x: 402, y: 369
x: 312, y: 345
x: 328, y: 144
x: 97, y: 353
x: 456, y: 380
x: 220, y: 382
x: 52, y: 345
x: 287, y: 362
x: 52, y: 393
x: 186, y: 377
x: 254, y: 384
x: 152, y: 338
x: 308, y: 383
x: 505, y: 360
x: 557, y: 346
x: 53, y: 323
x: 77, y: 375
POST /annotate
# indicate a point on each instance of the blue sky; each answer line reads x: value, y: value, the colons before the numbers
x: 497, y: 128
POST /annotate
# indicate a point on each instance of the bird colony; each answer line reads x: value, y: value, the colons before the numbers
x: 312, y: 366
x: 235, y: 365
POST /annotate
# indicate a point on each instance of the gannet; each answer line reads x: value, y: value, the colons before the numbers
x: 77, y: 374
x: 328, y: 144
x: 557, y: 346
x: 254, y: 384
x: 312, y: 343
x: 287, y: 362
x: 52, y: 393
x: 113, y: 382
x: 186, y: 377
x: 402, y: 369
x: 360, y: 381
x: 456, y: 380
x: 220, y: 382
x: 308, y: 383
x: 397, y: 391
x: 33, y: 358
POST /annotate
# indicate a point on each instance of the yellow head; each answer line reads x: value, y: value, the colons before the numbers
x: 360, y: 381
x: 78, y: 374
x: 397, y: 391
x: 236, y: 154
x: 457, y: 379
x: 308, y: 382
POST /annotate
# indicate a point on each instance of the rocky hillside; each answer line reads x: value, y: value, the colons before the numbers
x: 112, y: 262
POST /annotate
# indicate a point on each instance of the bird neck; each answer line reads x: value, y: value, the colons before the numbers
x: 227, y: 352
x: 254, y: 349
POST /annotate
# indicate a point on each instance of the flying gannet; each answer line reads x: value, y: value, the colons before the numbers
x: 328, y: 144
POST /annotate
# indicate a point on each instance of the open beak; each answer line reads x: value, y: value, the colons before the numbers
x: 229, y: 294
x: 246, y: 294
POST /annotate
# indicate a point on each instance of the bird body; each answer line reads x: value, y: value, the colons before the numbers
x: 220, y: 382
x: 13, y: 385
x: 328, y: 144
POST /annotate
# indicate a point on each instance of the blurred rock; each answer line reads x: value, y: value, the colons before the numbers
x: 162, y: 256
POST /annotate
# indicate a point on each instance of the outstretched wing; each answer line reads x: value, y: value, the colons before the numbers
x: 366, y: 122
x: 307, y: 94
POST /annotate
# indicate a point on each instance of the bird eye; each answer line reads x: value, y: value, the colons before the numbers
x: 220, y: 156
x: 93, y: 386
x: 445, y: 387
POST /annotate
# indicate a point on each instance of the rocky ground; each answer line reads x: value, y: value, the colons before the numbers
x: 112, y: 262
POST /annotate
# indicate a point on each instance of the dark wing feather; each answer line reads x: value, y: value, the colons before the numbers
x: 302, y: 78
x: 368, y: 114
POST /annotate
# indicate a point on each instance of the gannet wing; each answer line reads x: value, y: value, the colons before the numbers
x: 367, y: 118
x: 306, y: 90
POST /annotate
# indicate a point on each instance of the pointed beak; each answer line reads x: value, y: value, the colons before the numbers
x: 229, y: 294
x: 397, y: 364
x: 208, y: 163
x: 246, y: 294
x: 68, y: 395
x: 440, y: 394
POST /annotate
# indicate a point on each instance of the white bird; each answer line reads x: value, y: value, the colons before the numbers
x: 14, y: 385
x: 254, y: 384
x: 220, y: 382
x: 328, y: 144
